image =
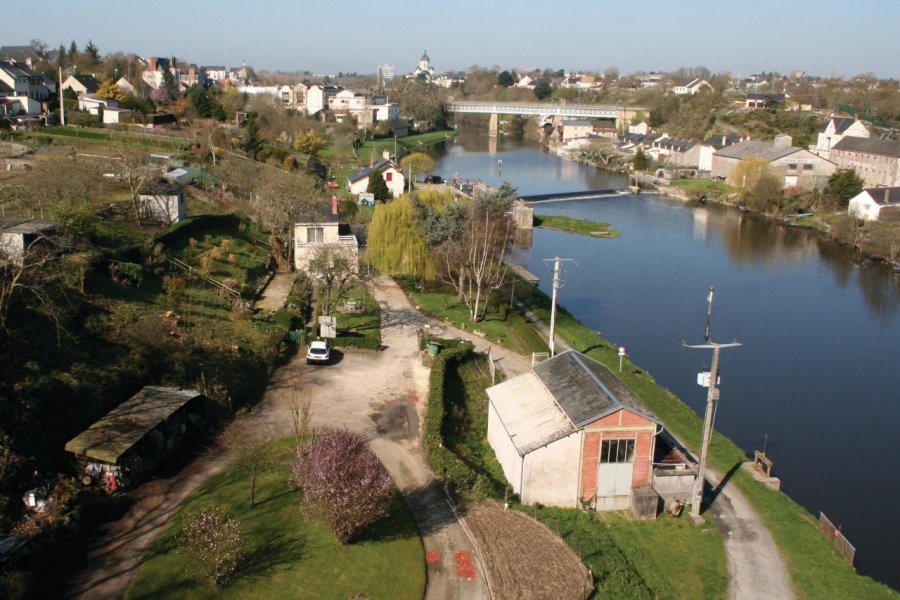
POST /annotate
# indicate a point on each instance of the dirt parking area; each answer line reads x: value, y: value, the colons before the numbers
x: 523, y: 558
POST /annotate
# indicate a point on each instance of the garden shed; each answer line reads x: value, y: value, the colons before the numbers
x: 570, y: 433
x: 130, y: 440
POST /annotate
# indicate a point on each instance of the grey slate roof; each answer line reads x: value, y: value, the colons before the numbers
x: 27, y: 226
x: 381, y: 164
x: 869, y: 146
x: 758, y: 149
x: 884, y: 196
x: 89, y: 82
x: 586, y: 390
x: 721, y: 141
x: 840, y: 124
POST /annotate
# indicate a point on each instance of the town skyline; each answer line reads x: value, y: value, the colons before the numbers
x: 732, y: 38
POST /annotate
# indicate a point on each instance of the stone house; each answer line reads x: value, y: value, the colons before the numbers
x: 323, y: 233
x: 876, y: 161
x: 794, y: 166
x: 570, y: 433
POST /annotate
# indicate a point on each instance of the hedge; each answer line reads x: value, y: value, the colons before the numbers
x: 357, y: 341
x: 444, y: 462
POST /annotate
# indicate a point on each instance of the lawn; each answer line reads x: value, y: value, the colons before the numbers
x: 501, y: 325
x: 288, y: 556
x: 579, y: 226
x: 705, y: 186
x: 343, y: 152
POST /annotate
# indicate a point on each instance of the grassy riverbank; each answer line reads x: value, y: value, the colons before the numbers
x: 579, y: 226
x: 815, y: 567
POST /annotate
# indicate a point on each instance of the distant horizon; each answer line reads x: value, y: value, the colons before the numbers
x: 819, y: 38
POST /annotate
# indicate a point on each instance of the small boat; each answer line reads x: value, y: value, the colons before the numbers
x: 742, y: 207
x: 896, y: 267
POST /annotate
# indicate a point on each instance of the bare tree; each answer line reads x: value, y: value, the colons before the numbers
x: 283, y: 200
x: 252, y: 448
x: 300, y: 410
x: 132, y: 169
x: 29, y: 277
x: 335, y: 272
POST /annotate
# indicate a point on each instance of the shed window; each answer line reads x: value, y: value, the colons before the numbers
x: 807, y: 167
x: 617, y: 451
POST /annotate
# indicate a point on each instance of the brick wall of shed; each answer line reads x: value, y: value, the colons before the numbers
x: 619, y: 425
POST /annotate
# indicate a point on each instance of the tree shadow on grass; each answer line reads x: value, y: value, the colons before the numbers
x: 398, y: 524
x: 278, y: 549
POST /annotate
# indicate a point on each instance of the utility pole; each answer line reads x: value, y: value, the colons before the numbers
x: 558, y: 282
x: 62, y: 106
x: 711, y: 398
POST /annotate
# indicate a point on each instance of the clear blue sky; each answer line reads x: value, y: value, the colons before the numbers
x: 822, y: 37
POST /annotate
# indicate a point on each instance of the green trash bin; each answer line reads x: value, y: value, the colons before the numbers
x: 433, y: 348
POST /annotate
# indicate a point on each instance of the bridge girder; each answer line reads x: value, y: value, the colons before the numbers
x: 541, y: 110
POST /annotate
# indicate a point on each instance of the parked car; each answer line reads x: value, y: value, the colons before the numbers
x: 319, y: 352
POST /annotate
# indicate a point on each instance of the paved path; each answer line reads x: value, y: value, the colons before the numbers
x: 276, y: 292
x: 755, y: 568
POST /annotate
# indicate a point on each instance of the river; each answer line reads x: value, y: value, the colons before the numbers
x: 817, y: 378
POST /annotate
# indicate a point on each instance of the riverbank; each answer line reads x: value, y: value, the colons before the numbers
x: 815, y: 567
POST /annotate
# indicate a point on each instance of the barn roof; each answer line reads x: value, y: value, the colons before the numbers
x: 122, y: 427
x: 558, y: 397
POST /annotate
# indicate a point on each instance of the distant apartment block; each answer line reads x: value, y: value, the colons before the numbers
x: 385, y: 75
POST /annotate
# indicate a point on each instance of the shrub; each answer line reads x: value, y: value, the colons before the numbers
x: 213, y: 540
x: 357, y: 341
x: 343, y: 482
x: 445, y: 463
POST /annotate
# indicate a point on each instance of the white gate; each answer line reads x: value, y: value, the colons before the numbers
x: 614, y: 475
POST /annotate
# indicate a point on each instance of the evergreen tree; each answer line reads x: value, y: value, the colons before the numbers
x: 201, y: 103
x: 378, y: 187
x: 842, y: 185
x: 543, y: 90
x: 61, y: 57
x: 73, y: 53
x: 252, y: 140
x: 640, y: 161
x: 505, y: 79
x: 92, y: 52
x: 168, y: 81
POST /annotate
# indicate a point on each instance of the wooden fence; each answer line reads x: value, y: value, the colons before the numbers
x: 837, y: 538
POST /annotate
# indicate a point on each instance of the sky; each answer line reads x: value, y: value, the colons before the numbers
x: 821, y: 37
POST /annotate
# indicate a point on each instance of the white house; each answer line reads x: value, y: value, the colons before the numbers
x: 81, y: 84
x: 570, y: 433
x: 126, y: 86
x: 94, y: 104
x: 317, y: 97
x: 163, y: 201
x: 26, y: 89
x: 692, y: 87
x: 358, y: 182
x: 876, y: 204
x: 325, y: 233
x: 156, y: 68
x: 836, y: 129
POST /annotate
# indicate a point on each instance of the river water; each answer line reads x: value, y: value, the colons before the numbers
x: 817, y: 378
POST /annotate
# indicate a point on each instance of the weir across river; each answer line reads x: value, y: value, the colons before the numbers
x: 534, y: 198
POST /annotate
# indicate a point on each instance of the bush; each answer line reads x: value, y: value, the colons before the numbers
x: 357, y: 341
x: 445, y: 463
x: 213, y: 540
x: 343, y: 482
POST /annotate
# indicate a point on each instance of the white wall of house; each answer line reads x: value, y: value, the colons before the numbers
x: 392, y: 177
x: 12, y: 247
x: 863, y: 207
x: 309, y: 238
x: 705, y: 157
x: 550, y: 474
x: 114, y: 115
x: 828, y: 138
x: 504, y: 449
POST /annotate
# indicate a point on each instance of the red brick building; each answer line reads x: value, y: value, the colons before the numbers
x: 570, y: 433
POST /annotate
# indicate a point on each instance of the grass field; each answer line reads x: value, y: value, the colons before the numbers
x: 288, y: 556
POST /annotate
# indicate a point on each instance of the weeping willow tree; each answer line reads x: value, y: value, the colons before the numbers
x: 397, y: 245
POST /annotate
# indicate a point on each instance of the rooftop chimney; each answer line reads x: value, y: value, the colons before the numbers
x: 334, y: 205
x: 152, y: 63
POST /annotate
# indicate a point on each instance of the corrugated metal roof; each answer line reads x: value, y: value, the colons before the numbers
x: 529, y: 413
x: 121, y: 428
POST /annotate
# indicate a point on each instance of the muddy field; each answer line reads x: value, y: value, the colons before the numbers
x: 524, y: 560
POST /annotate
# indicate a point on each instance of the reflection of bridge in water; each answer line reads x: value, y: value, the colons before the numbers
x: 546, y: 112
